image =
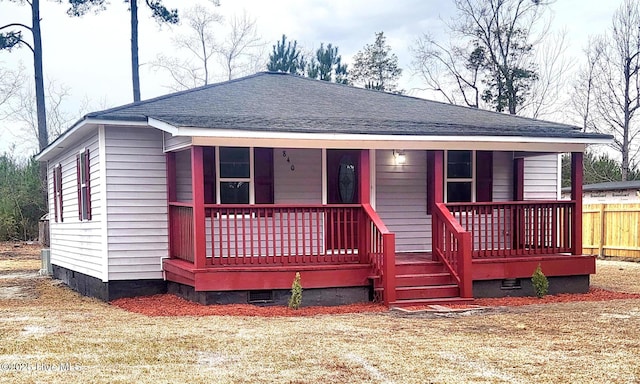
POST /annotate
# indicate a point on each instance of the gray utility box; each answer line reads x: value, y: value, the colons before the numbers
x: 45, y: 257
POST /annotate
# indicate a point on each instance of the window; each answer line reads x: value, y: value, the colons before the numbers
x: 84, y: 188
x: 468, y: 176
x: 459, y: 179
x: 235, y: 175
x: 238, y: 175
x: 57, y: 192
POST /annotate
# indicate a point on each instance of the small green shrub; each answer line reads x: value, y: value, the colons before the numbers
x: 540, y: 282
x: 296, y: 293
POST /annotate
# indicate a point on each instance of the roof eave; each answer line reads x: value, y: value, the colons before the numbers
x: 226, y: 133
x: 58, y: 144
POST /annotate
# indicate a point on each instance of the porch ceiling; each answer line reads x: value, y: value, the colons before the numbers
x: 289, y: 140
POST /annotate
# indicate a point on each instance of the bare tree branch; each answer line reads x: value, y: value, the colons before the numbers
x: 242, y: 50
x: 616, y: 84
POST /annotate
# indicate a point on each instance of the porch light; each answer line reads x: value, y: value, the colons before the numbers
x: 399, y: 156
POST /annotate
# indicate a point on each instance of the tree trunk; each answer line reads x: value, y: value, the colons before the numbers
x: 135, y: 67
x: 627, y: 120
x: 41, y: 111
x: 43, y: 135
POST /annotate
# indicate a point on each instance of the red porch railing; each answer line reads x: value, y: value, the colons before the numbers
x: 516, y: 228
x: 278, y: 235
x: 380, y: 247
x: 452, y: 246
x: 241, y: 235
x: 181, y: 231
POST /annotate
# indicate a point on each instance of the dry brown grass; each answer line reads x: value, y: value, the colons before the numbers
x: 556, y: 343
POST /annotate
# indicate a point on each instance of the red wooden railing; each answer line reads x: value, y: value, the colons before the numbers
x: 181, y: 231
x: 267, y: 234
x: 379, y: 245
x: 282, y: 234
x: 518, y: 228
x: 452, y: 246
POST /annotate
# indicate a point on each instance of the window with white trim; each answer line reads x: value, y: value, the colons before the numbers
x: 460, y: 171
x: 84, y: 186
x: 234, y: 175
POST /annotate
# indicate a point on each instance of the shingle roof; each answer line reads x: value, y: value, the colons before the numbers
x: 270, y: 101
x: 608, y: 186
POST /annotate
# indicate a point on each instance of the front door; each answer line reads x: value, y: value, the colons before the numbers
x: 342, y: 188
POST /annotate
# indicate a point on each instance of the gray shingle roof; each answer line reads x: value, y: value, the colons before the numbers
x: 271, y: 101
x: 608, y: 186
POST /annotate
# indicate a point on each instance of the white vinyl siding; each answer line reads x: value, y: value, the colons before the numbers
x: 401, y: 199
x: 502, y: 176
x: 77, y: 245
x: 175, y: 142
x: 303, y: 184
x: 137, y: 203
x: 183, y: 176
x: 541, y: 177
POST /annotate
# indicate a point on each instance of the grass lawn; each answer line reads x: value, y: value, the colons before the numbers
x: 50, y: 334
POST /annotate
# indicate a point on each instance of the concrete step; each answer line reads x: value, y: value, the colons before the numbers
x: 427, y: 292
x: 425, y: 302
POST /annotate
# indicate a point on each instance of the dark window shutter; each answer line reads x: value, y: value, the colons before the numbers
x: 209, y: 170
x: 79, y: 187
x: 87, y: 178
x: 430, y: 181
x: 263, y: 175
x: 484, y: 176
x: 59, y: 197
x: 55, y: 192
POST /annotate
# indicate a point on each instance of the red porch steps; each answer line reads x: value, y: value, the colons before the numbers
x: 421, y: 281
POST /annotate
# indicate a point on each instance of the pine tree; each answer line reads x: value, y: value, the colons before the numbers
x: 296, y: 293
x: 327, y: 65
x: 375, y: 67
x: 286, y: 58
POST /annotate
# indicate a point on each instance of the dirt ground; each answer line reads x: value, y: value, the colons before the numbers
x: 50, y: 334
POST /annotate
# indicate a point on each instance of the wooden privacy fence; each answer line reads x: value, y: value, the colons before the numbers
x: 611, y: 230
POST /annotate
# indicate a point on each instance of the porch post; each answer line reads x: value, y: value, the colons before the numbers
x: 518, y: 217
x: 170, y: 159
x: 199, y: 220
x: 364, y: 187
x: 576, y: 195
x: 365, y: 177
x: 435, y: 189
x: 435, y: 179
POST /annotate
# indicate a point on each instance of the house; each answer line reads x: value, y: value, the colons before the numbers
x: 222, y: 193
x: 613, y: 192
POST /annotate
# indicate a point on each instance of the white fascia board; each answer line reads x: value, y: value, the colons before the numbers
x: 161, y: 125
x: 209, y: 137
x: 393, y: 140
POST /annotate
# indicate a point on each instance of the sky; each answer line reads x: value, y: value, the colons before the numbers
x: 91, y: 55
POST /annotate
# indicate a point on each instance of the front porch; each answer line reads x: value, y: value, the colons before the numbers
x: 259, y: 247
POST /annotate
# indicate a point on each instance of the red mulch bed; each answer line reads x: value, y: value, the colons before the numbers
x: 594, y: 294
x: 171, y: 305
